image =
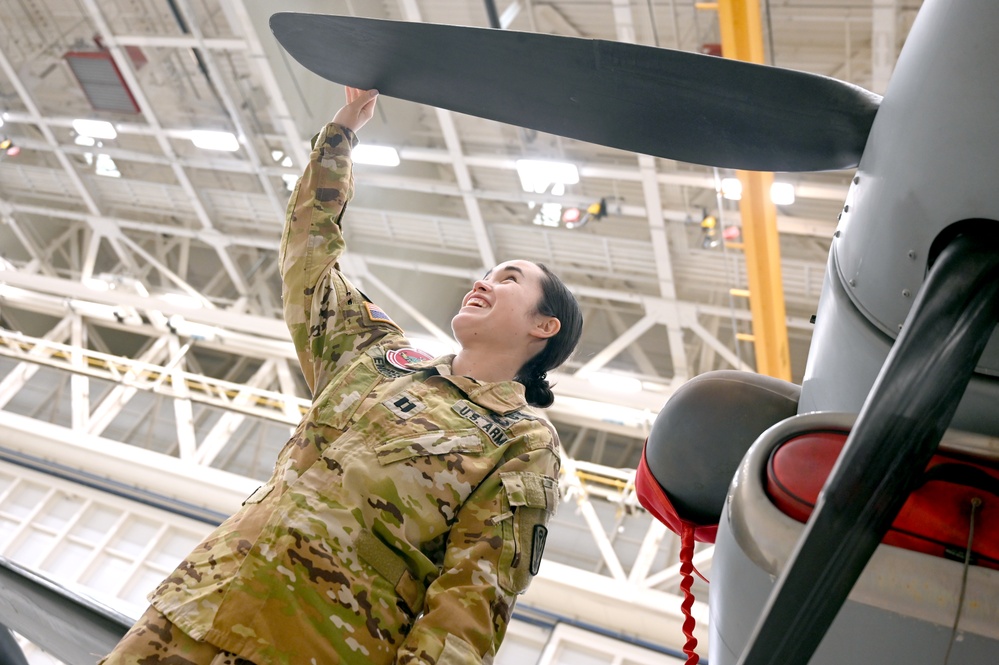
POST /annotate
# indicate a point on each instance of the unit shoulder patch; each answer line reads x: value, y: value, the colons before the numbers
x: 406, y: 357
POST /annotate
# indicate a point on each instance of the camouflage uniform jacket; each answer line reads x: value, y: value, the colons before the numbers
x: 409, y: 507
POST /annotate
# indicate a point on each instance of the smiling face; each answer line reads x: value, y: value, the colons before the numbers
x: 502, y: 308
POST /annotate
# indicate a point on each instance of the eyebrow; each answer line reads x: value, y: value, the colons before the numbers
x: 505, y: 268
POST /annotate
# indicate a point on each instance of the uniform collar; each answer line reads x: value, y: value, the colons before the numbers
x: 501, y: 397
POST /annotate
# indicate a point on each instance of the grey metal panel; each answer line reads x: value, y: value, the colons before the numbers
x: 848, y: 350
x: 900, y: 610
x: 74, y: 628
x: 860, y: 633
x: 931, y: 159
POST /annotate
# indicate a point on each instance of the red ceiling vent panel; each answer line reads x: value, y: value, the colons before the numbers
x: 101, y: 81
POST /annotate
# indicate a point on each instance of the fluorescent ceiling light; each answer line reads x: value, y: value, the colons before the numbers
x: 376, y: 155
x: 98, y: 129
x: 105, y: 166
x: 208, y: 139
x: 731, y: 189
x: 537, y: 175
x: 782, y: 193
x: 550, y: 214
x: 289, y: 181
x: 87, y: 141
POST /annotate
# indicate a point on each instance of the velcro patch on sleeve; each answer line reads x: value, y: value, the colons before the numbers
x: 376, y: 314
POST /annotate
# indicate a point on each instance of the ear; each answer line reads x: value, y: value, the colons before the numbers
x: 546, y: 327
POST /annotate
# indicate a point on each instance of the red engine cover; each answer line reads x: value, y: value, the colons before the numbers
x: 934, y: 520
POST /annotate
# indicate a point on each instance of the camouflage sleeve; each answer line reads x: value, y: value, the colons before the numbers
x: 312, y: 240
x: 493, y: 551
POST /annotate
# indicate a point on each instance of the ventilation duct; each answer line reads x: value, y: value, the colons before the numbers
x: 101, y: 81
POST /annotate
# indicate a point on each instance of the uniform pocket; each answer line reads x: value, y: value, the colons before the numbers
x: 529, y: 501
x: 441, y: 442
x: 393, y: 568
x: 258, y: 495
x: 338, y: 401
x: 458, y: 652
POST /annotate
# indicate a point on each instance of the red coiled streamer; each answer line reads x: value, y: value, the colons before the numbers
x: 686, y: 580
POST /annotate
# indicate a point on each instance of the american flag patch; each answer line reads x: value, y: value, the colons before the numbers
x: 375, y: 314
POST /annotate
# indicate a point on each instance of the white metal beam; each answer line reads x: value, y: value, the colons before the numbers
x: 124, y: 66
x: 79, y: 383
x: 109, y: 408
x: 625, y: 23
x: 610, y: 351
x: 219, y: 436
x: 183, y: 412
x: 411, y: 12
x: 18, y: 377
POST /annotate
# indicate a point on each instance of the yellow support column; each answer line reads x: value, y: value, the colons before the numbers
x: 742, y: 39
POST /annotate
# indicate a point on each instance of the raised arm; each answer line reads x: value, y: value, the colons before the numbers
x: 312, y: 240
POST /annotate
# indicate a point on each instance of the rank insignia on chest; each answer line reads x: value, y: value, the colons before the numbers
x: 404, y: 405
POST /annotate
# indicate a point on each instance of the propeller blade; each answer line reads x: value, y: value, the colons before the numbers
x: 673, y: 104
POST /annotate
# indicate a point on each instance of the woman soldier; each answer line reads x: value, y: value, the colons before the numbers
x: 408, y: 509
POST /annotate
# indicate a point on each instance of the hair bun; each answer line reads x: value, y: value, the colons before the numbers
x: 538, y: 392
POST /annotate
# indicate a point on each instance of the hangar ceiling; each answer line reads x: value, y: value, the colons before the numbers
x: 146, y: 247
x: 139, y: 298
x: 188, y: 235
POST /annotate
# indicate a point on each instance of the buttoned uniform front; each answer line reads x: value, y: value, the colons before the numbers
x: 409, y: 507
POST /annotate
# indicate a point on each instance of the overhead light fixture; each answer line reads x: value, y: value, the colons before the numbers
x: 208, y: 139
x: 375, y: 155
x: 782, y: 193
x: 105, y: 166
x: 549, y: 214
x: 98, y: 129
x: 574, y: 218
x: 537, y: 175
x: 87, y: 141
x: 731, y: 189
x: 8, y: 148
x: 289, y: 181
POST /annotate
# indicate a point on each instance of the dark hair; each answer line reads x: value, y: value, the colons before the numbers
x: 558, y: 301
